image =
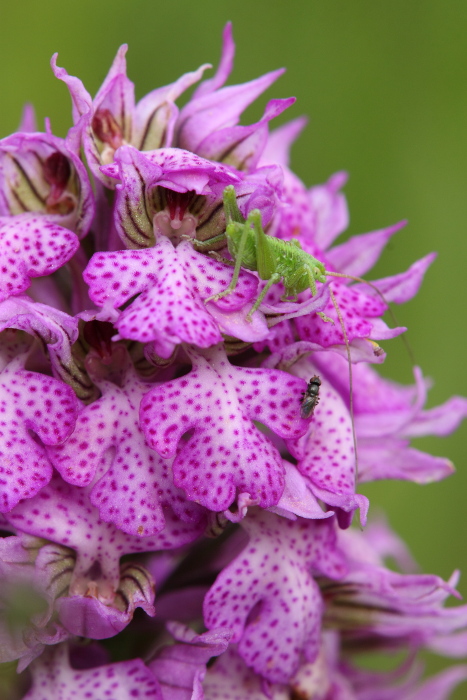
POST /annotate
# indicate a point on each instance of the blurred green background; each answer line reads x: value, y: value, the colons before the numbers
x: 384, y: 87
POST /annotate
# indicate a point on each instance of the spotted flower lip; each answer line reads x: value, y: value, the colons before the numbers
x: 172, y: 284
x: 362, y: 305
x: 257, y: 577
x: 31, y: 246
x: 31, y: 403
x: 137, y: 487
x: 220, y: 401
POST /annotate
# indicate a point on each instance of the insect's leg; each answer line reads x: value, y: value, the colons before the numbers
x: 238, y: 265
x: 199, y: 245
x: 220, y: 258
x: 311, y: 280
x: 347, y: 347
x: 232, y: 213
x: 314, y: 291
x: 324, y: 318
x: 274, y: 279
x: 265, y: 260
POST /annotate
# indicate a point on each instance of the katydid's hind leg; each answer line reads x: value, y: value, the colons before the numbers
x: 324, y: 318
x: 274, y: 279
x: 238, y: 265
x: 314, y: 291
x: 220, y: 258
x: 265, y: 258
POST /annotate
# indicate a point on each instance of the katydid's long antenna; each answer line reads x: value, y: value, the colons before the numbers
x: 381, y: 295
x: 347, y: 347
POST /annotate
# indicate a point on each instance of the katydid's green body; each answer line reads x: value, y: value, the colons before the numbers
x: 273, y: 258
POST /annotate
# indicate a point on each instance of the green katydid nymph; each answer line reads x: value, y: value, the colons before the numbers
x: 273, y: 258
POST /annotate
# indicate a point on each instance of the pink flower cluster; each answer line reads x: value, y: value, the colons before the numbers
x: 153, y: 448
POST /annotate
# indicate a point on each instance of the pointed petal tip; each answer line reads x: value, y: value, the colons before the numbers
x: 227, y: 34
x: 228, y: 42
x: 278, y: 105
x: 59, y: 72
x: 397, y: 227
x: 28, y: 122
x: 339, y: 179
x: 120, y: 55
x: 53, y: 64
x: 450, y: 468
x: 278, y: 72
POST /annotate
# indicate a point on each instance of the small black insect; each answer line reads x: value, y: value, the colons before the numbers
x: 310, y: 397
